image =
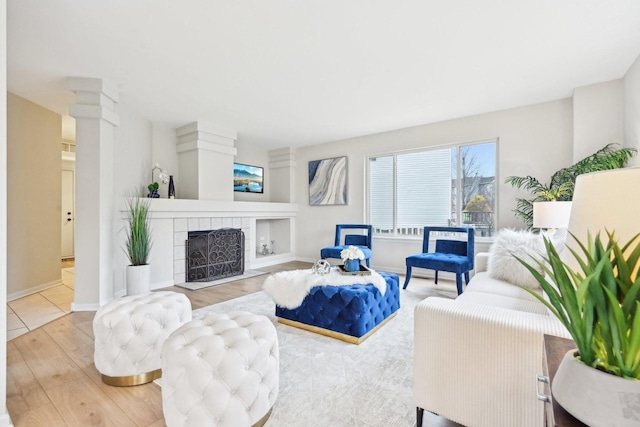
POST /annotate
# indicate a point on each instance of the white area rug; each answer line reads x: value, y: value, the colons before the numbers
x: 194, y: 286
x: 327, y: 382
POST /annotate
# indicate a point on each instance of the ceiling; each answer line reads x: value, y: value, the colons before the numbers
x: 293, y: 73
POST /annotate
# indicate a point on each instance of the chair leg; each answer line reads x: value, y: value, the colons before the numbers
x: 466, y: 277
x: 368, y: 262
x: 406, y: 280
x: 459, y: 283
x: 436, y: 277
x: 419, y: 416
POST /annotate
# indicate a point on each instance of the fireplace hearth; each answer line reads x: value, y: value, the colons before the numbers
x: 214, y: 254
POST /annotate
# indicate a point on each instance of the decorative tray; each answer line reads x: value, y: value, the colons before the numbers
x: 364, y: 271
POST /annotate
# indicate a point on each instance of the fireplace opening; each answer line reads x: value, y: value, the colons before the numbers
x: 214, y: 254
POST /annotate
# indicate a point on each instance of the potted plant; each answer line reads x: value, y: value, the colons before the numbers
x: 563, y: 182
x: 599, y: 304
x: 138, y: 245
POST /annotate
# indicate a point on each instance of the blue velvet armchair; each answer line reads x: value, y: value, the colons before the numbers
x: 455, y: 256
x: 363, y: 241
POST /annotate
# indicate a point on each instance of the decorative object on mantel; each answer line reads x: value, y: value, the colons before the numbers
x: 153, y: 187
x: 273, y: 247
x: 328, y: 181
x: 172, y: 188
x: 289, y: 288
x: 138, y: 246
x: 351, y: 257
x: 265, y: 250
x: 594, y: 293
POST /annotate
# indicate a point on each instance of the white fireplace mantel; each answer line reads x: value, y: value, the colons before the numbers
x: 185, y: 208
x: 172, y: 219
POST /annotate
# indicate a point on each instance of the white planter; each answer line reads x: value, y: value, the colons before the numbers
x: 596, y: 398
x: 138, y: 279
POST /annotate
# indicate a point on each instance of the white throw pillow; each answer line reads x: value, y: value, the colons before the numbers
x: 523, y: 244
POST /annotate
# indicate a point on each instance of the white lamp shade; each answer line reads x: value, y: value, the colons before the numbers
x: 551, y: 214
x: 607, y: 200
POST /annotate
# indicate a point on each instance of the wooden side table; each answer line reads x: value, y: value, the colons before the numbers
x: 554, y: 350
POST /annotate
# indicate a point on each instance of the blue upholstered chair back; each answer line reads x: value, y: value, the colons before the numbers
x: 449, y: 246
x: 354, y: 239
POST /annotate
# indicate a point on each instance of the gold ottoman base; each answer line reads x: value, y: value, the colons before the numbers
x: 132, y: 380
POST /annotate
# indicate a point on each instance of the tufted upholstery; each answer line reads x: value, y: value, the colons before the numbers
x: 129, y: 332
x: 222, y: 370
x: 352, y: 310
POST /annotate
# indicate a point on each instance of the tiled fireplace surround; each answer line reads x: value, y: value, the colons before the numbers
x: 171, y: 221
x: 182, y: 226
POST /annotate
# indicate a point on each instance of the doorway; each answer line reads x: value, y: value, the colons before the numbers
x: 67, y: 213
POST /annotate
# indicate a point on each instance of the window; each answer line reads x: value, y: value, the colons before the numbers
x: 452, y: 186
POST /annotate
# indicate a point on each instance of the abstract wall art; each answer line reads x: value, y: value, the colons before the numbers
x: 328, y: 181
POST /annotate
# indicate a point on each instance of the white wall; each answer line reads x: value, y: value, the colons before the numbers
x: 132, y: 174
x: 598, y: 117
x: 163, y: 152
x: 251, y: 155
x: 34, y: 197
x: 534, y: 140
x: 5, y: 420
x: 631, y: 84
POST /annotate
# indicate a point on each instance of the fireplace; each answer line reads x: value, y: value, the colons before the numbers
x: 214, y: 254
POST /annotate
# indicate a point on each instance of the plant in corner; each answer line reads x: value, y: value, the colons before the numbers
x: 563, y: 181
x: 599, y: 304
x: 138, y: 245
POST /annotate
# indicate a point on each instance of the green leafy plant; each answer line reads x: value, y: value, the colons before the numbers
x: 599, y: 303
x: 563, y: 182
x: 153, y: 187
x: 138, y: 244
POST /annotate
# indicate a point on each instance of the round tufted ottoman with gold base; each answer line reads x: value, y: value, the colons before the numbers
x: 129, y: 333
x: 222, y: 370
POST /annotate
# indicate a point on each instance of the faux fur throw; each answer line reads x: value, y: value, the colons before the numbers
x: 289, y: 288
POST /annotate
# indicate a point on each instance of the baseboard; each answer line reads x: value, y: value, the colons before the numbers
x: 30, y: 291
x: 156, y: 286
x: 84, y: 307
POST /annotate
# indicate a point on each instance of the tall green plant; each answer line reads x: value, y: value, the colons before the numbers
x: 562, y: 183
x: 138, y: 243
x: 599, y: 304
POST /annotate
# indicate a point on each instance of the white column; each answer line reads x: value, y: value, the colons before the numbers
x: 95, y: 123
x: 205, y: 162
x: 282, y: 175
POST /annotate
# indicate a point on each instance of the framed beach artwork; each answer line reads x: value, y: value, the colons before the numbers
x: 328, y: 181
x: 247, y: 178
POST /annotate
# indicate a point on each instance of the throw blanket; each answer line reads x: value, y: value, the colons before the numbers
x: 289, y: 288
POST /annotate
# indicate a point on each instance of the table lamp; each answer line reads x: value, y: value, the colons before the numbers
x: 551, y: 215
x: 606, y: 200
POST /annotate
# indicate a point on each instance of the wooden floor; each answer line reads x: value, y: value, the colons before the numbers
x: 52, y: 381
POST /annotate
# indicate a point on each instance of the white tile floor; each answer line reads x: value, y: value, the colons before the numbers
x: 30, y: 312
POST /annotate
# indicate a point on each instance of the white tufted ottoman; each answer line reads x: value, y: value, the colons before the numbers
x: 129, y: 333
x: 221, y: 371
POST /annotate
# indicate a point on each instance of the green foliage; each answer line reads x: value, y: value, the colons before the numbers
x: 599, y: 303
x: 563, y: 181
x: 153, y: 187
x: 138, y: 244
x: 478, y: 204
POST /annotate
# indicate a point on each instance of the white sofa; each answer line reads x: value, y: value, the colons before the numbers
x: 476, y: 357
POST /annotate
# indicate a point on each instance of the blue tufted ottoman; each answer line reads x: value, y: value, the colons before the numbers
x: 350, y: 313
